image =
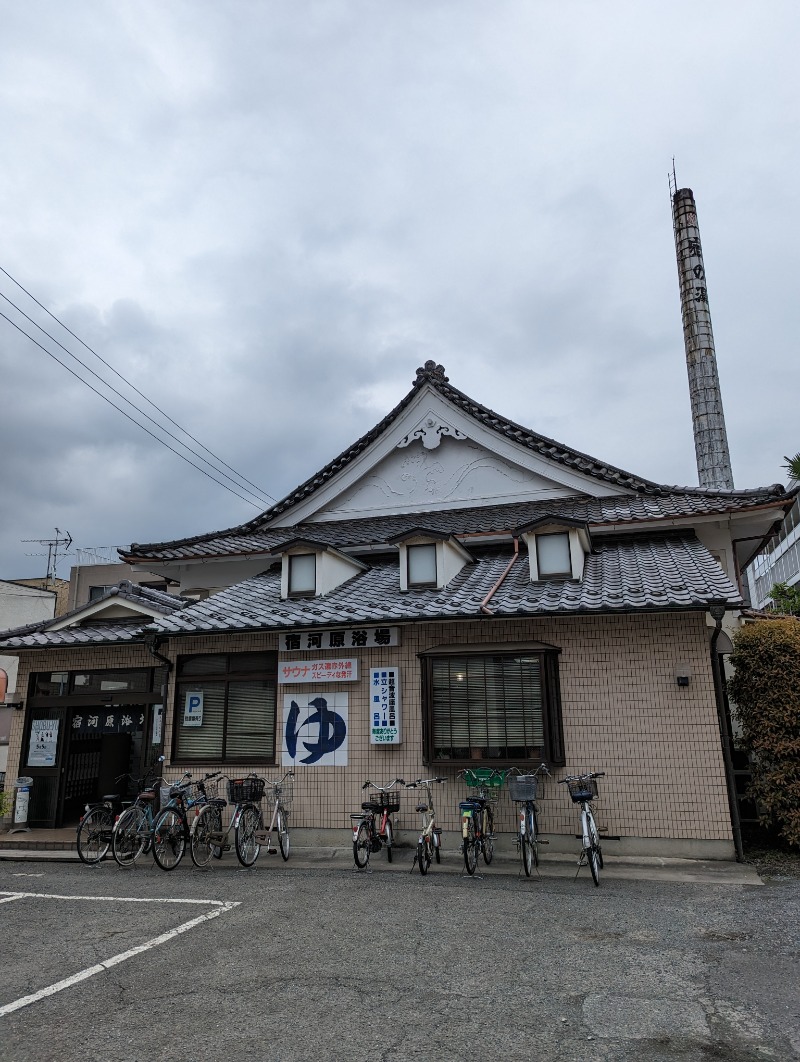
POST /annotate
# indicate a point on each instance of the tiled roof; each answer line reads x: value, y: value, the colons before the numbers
x: 100, y: 632
x: 255, y: 536
x: 622, y: 509
x: 657, y: 572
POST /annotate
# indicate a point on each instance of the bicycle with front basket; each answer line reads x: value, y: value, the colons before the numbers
x: 523, y: 788
x: 172, y: 832
x: 209, y: 838
x: 477, y: 814
x: 372, y: 826
x: 583, y: 790
x: 430, y: 838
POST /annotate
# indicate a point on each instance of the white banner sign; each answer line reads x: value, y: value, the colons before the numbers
x: 315, y: 729
x: 337, y: 669
x: 384, y: 706
x: 44, y: 743
x: 193, y: 708
x: 353, y: 638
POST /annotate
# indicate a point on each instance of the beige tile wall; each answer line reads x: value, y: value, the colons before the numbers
x: 623, y: 712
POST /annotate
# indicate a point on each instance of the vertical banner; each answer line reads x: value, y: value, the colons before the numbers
x: 384, y: 706
x: 315, y: 729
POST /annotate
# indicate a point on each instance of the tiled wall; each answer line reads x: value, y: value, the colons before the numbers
x: 623, y: 713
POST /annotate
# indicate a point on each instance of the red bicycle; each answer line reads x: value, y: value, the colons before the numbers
x: 372, y: 826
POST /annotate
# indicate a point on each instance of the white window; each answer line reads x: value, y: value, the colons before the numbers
x: 422, y: 565
x: 302, y: 573
x: 552, y: 555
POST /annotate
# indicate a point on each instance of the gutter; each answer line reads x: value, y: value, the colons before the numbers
x: 717, y: 612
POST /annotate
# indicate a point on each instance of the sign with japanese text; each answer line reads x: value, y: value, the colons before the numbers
x: 44, y: 743
x: 193, y: 708
x: 108, y: 721
x: 337, y: 669
x: 384, y: 706
x: 315, y: 729
x: 355, y: 638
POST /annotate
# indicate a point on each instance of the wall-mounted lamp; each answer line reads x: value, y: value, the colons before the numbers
x: 683, y: 674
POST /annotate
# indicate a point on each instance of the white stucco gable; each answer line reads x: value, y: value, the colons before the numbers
x: 436, y: 456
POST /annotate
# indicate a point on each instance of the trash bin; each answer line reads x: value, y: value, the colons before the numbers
x: 22, y: 796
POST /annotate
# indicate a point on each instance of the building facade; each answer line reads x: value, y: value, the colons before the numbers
x: 453, y: 590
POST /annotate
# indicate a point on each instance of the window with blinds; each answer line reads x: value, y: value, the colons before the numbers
x: 488, y: 706
x: 239, y: 713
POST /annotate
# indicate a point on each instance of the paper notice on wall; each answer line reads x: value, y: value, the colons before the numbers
x: 44, y: 743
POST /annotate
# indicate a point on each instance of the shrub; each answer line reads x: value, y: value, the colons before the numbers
x: 766, y: 691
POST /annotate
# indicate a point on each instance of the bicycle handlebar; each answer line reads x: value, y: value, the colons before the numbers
x: 575, y: 777
x: 423, y: 781
x: 383, y: 788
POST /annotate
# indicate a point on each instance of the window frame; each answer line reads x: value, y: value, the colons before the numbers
x: 226, y: 676
x: 301, y: 593
x: 428, y: 582
x: 552, y: 749
x: 564, y: 573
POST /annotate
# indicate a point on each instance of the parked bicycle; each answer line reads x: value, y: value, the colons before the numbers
x: 372, y: 826
x: 94, y: 835
x: 477, y: 814
x: 522, y: 789
x: 133, y: 830
x: 209, y: 838
x: 171, y: 829
x: 430, y: 838
x: 583, y: 790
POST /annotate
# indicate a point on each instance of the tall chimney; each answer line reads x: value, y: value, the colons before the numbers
x: 710, y: 437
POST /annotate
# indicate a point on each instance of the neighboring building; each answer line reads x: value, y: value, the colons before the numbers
x: 780, y: 561
x: 89, y: 582
x: 20, y: 604
x: 452, y: 590
x: 59, y: 587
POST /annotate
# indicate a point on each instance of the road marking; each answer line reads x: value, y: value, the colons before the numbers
x: 27, y: 875
x: 219, y: 907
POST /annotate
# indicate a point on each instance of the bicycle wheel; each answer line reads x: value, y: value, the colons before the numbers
x: 525, y: 847
x: 130, y: 836
x: 93, y: 838
x: 488, y: 838
x: 247, y: 847
x: 470, y: 848
x: 389, y: 839
x: 533, y: 833
x: 208, y: 822
x: 436, y: 850
x: 362, y: 846
x: 423, y: 855
x: 595, y: 837
x: 169, y: 838
x: 283, y: 833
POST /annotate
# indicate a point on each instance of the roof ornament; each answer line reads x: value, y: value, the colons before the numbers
x: 430, y: 371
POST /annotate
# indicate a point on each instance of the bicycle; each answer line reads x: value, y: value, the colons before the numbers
x: 171, y: 829
x: 583, y: 790
x: 368, y: 836
x: 133, y: 830
x: 93, y: 836
x: 477, y: 815
x: 247, y: 823
x: 430, y: 838
x: 522, y: 789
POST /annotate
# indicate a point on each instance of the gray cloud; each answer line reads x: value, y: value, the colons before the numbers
x: 266, y: 216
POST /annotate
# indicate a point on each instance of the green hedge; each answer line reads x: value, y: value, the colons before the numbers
x: 765, y: 690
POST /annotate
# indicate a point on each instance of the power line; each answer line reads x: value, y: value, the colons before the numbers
x: 105, y: 398
x: 163, y: 413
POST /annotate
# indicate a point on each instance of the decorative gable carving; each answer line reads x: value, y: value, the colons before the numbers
x: 430, y: 431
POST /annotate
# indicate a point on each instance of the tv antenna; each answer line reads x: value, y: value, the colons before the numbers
x: 55, y: 546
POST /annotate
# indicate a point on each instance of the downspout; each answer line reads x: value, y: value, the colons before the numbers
x: 717, y: 612
x: 152, y: 641
x: 499, y: 582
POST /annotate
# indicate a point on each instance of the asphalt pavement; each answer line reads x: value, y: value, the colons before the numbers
x: 312, y: 959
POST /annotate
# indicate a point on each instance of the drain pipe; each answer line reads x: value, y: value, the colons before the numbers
x: 717, y: 613
x: 499, y: 582
x: 152, y: 640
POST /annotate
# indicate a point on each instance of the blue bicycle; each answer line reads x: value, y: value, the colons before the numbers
x: 171, y: 830
x: 133, y: 829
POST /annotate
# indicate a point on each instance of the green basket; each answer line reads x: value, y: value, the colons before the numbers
x: 485, y: 778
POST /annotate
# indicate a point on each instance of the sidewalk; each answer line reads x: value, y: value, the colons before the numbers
x: 59, y: 846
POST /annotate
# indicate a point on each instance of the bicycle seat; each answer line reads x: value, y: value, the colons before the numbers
x: 147, y: 795
x: 370, y: 807
x: 218, y: 802
x: 111, y: 797
x: 422, y: 807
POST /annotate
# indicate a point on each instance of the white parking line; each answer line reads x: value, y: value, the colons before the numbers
x: 219, y: 907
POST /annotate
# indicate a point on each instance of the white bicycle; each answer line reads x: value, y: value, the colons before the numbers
x: 583, y: 791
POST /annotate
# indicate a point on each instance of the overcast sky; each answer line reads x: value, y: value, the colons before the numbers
x: 266, y: 215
